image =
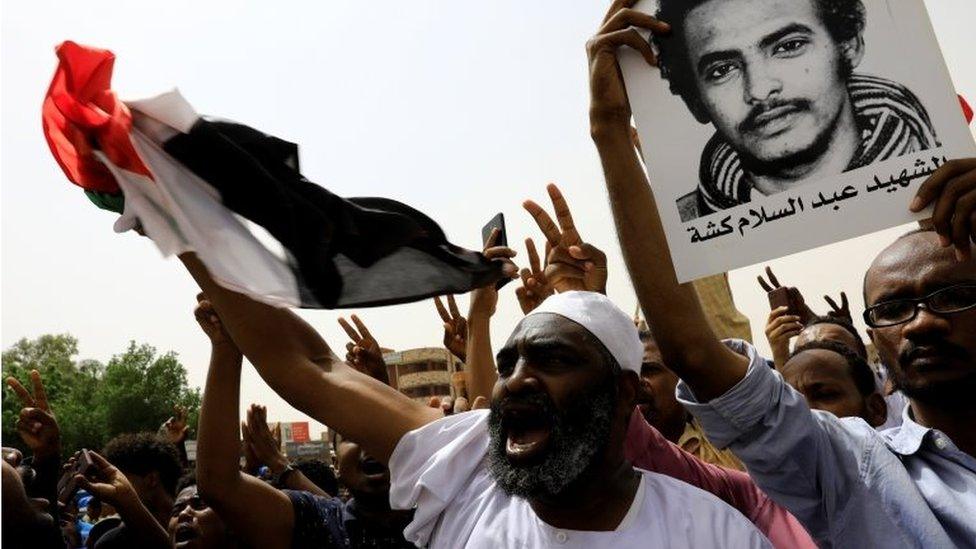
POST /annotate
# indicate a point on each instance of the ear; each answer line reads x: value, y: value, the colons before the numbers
x: 853, y: 51
x: 877, y: 409
x: 628, y: 389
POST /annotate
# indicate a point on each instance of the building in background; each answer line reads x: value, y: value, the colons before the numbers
x: 297, y: 442
x: 423, y: 373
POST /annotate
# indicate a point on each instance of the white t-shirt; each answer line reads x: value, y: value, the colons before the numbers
x: 441, y: 470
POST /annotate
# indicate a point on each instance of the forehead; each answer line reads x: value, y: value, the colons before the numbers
x: 914, y: 266
x: 827, y: 332
x: 817, y: 366
x: 736, y: 24
x: 550, y: 330
x: 186, y: 494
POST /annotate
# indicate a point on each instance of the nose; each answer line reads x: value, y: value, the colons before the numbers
x: 760, y: 83
x: 926, y: 324
x: 186, y: 515
x: 523, y: 379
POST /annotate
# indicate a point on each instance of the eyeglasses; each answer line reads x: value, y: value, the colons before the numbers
x: 951, y: 300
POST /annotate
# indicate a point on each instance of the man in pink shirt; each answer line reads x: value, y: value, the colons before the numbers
x: 646, y: 448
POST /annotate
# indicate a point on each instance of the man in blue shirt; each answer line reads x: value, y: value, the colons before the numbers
x: 848, y: 484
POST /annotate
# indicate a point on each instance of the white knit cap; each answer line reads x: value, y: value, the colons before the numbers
x: 604, y: 320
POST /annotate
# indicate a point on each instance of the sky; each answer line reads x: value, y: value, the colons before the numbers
x: 460, y: 109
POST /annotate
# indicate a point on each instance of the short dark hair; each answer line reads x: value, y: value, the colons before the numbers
x: 320, y: 473
x: 188, y: 479
x: 844, y: 19
x: 143, y: 453
x: 860, y: 371
x: 860, y: 349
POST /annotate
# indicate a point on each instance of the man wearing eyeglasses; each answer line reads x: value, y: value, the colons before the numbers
x: 848, y: 484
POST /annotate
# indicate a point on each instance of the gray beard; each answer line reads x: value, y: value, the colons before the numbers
x: 578, y: 437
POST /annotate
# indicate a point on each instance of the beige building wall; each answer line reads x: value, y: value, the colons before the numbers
x: 715, y: 297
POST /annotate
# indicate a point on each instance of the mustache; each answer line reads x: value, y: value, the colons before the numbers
x: 750, y: 123
x: 539, y: 400
x: 911, y: 351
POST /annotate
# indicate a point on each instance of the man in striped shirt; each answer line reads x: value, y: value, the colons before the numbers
x: 776, y: 79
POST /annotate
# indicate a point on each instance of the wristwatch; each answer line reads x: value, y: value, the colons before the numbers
x: 277, y: 479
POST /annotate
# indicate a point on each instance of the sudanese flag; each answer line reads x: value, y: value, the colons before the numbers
x: 198, y: 184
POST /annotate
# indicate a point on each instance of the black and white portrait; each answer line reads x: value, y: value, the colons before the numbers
x: 778, y: 80
x: 756, y: 104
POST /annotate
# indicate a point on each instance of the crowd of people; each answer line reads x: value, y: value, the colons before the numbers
x: 587, y: 427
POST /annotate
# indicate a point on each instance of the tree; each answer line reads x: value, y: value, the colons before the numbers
x: 139, y: 389
x: 134, y: 392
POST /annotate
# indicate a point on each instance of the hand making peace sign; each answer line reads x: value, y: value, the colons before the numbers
x: 571, y: 264
x: 36, y: 424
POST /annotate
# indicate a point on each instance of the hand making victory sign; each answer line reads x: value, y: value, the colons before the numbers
x: 36, y: 424
x: 455, y: 327
x: 535, y: 286
x: 571, y: 264
x: 363, y: 352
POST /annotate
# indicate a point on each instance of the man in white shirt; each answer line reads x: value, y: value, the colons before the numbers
x: 544, y: 468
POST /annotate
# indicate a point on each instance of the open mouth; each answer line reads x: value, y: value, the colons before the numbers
x: 527, y: 432
x: 370, y: 467
x: 185, y: 534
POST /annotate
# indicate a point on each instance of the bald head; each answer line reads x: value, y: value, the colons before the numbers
x: 912, y: 253
x: 932, y: 356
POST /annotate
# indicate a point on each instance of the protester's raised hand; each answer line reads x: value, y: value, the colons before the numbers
x: 571, y: 264
x: 363, y: 352
x: 210, y: 321
x: 36, y: 423
x: 107, y: 483
x: 842, y: 311
x: 455, y: 326
x: 12, y: 456
x: 175, y: 429
x: 265, y: 443
x: 802, y: 309
x: 609, y: 107
x: 251, y: 461
x: 952, y: 188
x: 535, y: 286
x: 780, y: 328
x: 459, y: 405
x: 444, y: 404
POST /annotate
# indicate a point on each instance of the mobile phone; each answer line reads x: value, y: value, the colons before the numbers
x: 497, y: 222
x: 780, y: 297
x: 67, y: 485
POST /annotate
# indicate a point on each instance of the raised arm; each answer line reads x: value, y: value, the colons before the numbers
x: 480, y: 367
x: 265, y: 444
x: 39, y: 430
x: 687, y: 342
x: 250, y: 507
x: 298, y: 365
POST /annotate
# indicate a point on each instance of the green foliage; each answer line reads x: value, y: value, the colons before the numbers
x: 93, y: 402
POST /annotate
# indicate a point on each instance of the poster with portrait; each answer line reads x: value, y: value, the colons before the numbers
x: 776, y: 126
